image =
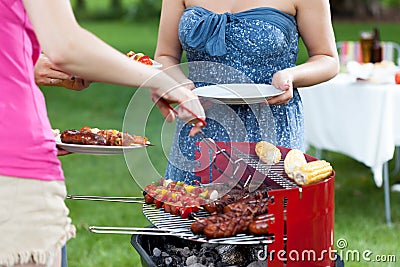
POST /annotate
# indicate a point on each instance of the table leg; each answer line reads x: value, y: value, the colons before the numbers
x: 397, y: 161
x: 387, y: 193
x: 318, y: 153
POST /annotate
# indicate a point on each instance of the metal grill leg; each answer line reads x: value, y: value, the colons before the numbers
x: 387, y: 193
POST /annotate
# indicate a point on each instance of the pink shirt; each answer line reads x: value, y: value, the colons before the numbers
x: 27, y: 146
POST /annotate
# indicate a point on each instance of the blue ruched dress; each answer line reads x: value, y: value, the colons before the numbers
x: 244, y: 47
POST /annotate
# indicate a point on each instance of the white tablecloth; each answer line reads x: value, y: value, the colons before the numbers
x: 359, y: 119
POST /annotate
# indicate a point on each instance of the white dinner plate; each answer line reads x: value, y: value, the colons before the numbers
x: 235, y: 94
x: 97, y: 150
x: 156, y: 64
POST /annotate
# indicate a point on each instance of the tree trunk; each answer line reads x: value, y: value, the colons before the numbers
x: 116, y: 5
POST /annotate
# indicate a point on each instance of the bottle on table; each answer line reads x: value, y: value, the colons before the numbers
x: 376, y: 48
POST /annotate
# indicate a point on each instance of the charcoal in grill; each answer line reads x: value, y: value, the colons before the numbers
x: 233, y: 255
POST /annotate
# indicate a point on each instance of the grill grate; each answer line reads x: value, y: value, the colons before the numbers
x: 275, y: 173
x: 164, y: 220
x: 276, y: 176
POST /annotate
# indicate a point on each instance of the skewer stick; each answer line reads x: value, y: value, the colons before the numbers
x: 139, y: 200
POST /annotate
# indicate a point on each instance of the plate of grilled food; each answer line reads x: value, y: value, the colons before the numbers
x: 99, y: 142
x: 143, y: 58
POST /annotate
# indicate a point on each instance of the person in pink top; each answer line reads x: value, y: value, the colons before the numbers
x: 34, y: 222
x: 47, y: 74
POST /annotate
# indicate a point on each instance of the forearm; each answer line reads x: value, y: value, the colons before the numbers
x: 319, y: 39
x: 75, y: 50
x: 316, y: 69
x: 98, y: 61
x: 169, y: 49
x: 172, y: 66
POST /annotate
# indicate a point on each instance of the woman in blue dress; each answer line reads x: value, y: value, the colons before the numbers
x: 253, y: 41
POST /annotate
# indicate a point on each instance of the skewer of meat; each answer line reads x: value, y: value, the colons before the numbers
x: 252, y: 207
x: 259, y: 226
x: 197, y: 227
x: 230, y: 197
x: 235, y: 219
x: 177, y: 198
x: 236, y: 196
x: 230, y: 224
x: 228, y: 228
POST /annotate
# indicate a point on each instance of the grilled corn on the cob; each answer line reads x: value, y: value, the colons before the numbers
x: 311, y: 172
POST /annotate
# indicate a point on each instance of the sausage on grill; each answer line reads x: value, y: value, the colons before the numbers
x: 236, y: 225
x: 236, y: 217
x: 251, y: 207
x: 259, y: 226
x: 197, y: 227
x: 237, y: 196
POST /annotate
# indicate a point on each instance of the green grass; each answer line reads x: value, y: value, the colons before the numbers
x: 359, y: 215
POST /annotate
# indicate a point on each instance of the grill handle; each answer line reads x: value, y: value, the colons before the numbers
x: 138, y: 231
x: 139, y: 200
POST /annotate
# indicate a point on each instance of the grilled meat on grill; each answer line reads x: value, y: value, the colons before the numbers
x: 236, y: 218
x: 235, y: 196
x: 232, y: 196
x: 236, y: 224
x: 177, y: 198
x: 259, y: 226
x: 252, y: 207
x: 232, y: 213
x: 197, y: 227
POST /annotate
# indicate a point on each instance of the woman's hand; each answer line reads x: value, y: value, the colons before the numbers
x: 75, y: 83
x: 282, y: 80
x: 46, y: 73
x: 189, y: 107
x: 62, y: 152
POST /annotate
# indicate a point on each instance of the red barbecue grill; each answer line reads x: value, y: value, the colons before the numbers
x: 301, y: 231
x: 303, y: 224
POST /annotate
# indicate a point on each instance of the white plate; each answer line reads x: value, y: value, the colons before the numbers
x: 246, y: 93
x: 156, y: 64
x: 97, y: 150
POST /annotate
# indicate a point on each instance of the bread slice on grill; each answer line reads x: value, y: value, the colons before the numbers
x: 268, y: 153
x: 294, y: 158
